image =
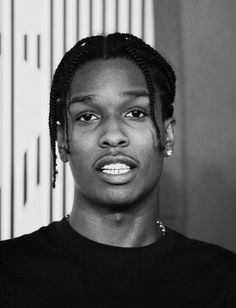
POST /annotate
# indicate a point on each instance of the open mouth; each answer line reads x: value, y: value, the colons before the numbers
x: 116, y: 169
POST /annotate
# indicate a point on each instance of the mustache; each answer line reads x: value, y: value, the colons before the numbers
x: 116, y: 157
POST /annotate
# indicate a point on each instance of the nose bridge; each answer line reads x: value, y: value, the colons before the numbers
x: 113, y: 123
x: 113, y: 133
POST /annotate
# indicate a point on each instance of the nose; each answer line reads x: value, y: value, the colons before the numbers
x: 113, y: 135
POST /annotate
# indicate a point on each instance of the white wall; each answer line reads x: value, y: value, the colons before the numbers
x: 27, y: 201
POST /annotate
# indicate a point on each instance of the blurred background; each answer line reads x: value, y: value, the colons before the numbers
x: 198, y: 189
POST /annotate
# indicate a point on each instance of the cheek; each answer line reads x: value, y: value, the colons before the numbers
x: 150, y: 151
x: 81, y: 140
x: 150, y: 140
x: 146, y: 147
x: 80, y: 146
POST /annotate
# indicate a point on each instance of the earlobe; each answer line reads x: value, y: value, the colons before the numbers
x: 169, y: 126
x: 62, y: 144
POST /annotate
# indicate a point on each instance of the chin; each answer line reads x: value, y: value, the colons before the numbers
x: 119, y: 200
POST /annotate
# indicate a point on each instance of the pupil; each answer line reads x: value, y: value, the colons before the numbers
x: 136, y: 113
x: 87, y: 117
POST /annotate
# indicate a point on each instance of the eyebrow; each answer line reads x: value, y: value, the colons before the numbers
x: 136, y: 93
x: 131, y: 93
x: 80, y: 99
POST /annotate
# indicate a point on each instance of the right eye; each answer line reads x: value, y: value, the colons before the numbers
x: 87, y: 117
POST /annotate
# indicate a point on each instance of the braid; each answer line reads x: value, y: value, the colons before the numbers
x: 53, y: 116
x: 53, y: 137
x: 53, y: 130
x: 159, y: 62
x: 58, y: 109
x: 64, y: 96
x: 151, y: 90
x: 155, y: 54
x: 157, y: 72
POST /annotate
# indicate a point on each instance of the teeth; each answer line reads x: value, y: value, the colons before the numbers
x: 115, y: 166
x: 116, y: 171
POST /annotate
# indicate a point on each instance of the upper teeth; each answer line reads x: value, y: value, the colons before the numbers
x: 115, y: 166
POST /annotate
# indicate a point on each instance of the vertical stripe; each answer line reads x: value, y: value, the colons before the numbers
x: 104, y: 16
x: 64, y: 166
x: 143, y: 19
x: 25, y: 179
x: 38, y: 51
x: 183, y: 130
x: 130, y: 16
x: 90, y: 17
x: 38, y: 161
x: 117, y: 15
x: 12, y: 120
x: 25, y: 47
x: 64, y: 26
x: 51, y: 74
x: 77, y: 20
x: 0, y: 43
x: 0, y: 213
x: 64, y: 191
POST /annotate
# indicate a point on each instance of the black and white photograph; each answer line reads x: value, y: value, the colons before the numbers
x: 117, y: 153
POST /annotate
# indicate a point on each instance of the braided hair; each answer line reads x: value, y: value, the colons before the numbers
x: 158, y: 74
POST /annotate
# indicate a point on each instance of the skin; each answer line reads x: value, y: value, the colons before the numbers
x: 108, y: 114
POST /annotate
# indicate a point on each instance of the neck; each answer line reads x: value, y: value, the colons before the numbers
x: 134, y: 226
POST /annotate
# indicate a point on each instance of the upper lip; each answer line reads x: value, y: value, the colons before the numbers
x: 110, y: 159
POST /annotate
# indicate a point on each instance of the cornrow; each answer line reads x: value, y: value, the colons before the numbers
x: 158, y: 74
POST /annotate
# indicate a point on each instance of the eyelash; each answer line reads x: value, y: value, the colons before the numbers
x: 85, y: 114
x: 143, y: 111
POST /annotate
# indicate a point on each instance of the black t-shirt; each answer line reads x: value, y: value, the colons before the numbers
x: 57, y: 267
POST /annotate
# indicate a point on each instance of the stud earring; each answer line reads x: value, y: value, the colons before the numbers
x: 168, y: 152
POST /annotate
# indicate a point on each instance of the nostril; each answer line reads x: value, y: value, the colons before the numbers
x: 122, y: 142
x: 114, y: 143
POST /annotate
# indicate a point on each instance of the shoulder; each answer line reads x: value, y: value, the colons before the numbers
x: 191, y: 245
x: 23, y: 240
x: 206, y: 266
x: 26, y: 249
x: 20, y: 244
x: 202, y: 254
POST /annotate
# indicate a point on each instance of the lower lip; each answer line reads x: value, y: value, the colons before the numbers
x: 117, y: 179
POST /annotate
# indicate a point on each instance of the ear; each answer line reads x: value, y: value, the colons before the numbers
x: 169, y: 136
x: 61, y: 143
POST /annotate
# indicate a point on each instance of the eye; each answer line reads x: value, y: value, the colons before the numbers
x: 87, y: 117
x: 136, y: 113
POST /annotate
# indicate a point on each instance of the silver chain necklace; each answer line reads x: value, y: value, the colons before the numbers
x: 159, y: 223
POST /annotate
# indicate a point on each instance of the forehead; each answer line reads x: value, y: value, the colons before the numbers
x: 99, y: 74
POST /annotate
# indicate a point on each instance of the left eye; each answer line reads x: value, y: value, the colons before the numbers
x: 136, y: 113
x: 87, y: 117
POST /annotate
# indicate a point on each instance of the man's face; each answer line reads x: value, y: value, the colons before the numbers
x: 114, y: 153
